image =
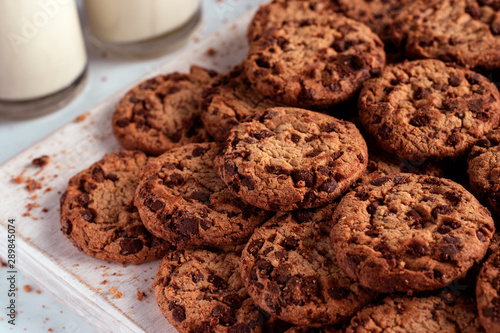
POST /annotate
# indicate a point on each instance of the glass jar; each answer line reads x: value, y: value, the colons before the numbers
x: 141, y: 28
x: 43, y: 60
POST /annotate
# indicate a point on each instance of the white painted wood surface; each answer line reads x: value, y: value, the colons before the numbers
x: 45, y: 255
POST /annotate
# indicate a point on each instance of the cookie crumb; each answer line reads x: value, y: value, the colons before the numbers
x: 104, y: 282
x: 38, y: 291
x: 211, y: 52
x: 27, y: 288
x: 41, y: 161
x: 113, y: 290
x: 32, y: 185
x: 104, y: 78
x: 140, y: 295
x: 18, y: 180
x: 81, y: 118
x: 118, y: 295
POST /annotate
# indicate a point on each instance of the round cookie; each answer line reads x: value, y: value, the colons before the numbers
x: 163, y: 112
x: 484, y: 170
x: 426, y: 109
x: 292, y: 158
x: 202, y: 291
x: 290, y: 271
x: 409, y: 232
x: 315, y: 62
x: 229, y: 102
x: 417, y: 315
x: 98, y: 215
x: 182, y: 199
x: 488, y: 293
x: 466, y: 32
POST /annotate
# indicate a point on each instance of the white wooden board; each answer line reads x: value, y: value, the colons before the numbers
x: 44, y: 254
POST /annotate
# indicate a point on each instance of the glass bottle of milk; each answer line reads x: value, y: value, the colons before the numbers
x: 141, y: 28
x: 42, y: 55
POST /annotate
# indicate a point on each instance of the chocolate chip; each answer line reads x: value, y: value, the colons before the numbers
x: 156, y: 205
x: 239, y: 328
x: 122, y: 122
x: 224, y: 314
x: 416, y: 217
x: 307, y: 93
x: 328, y: 186
x: 360, y: 157
x: 230, y: 167
x: 450, y: 247
x: 83, y: 199
x: 198, y: 151
x: 485, y: 143
x: 329, y: 127
x: 112, y: 176
x: 363, y: 195
x: 420, y: 120
x: 233, y: 301
x: 481, y: 236
x: 384, y: 131
x: 453, y: 197
x: 197, y: 277
x: 290, y: 243
x: 200, y: 196
x: 372, y: 207
x: 189, y: 225
x: 130, y: 246
x: 302, y: 216
x: 454, y: 139
x: 473, y: 10
x: 448, y: 226
x: 295, y: 138
x: 175, y: 179
x: 421, y: 93
x: 262, y: 134
x: 66, y: 227
x: 399, y: 180
x: 338, y: 293
x: 98, y: 174
x: 178, y: 312
x: 441, y: 210
x: 495, y: 28
x: 491, y: 312
x: 417, y: 249
x: 265, y: 266
x: 263, y: 61
x: 86, y: 215
x: 380, y: 181
x: 254, y: 247
x: 305, y: 176
x: 454, y: 81
x: 217, y: 281
x: 249, y: 182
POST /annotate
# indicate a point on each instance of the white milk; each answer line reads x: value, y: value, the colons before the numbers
x: 128, y: 21
x: 41, y: 48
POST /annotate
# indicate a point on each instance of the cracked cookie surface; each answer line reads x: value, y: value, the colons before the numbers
x: 98, y: 215
x: 484, y: 170
x: 202, y: 291
x: 417, y: 315
x: 409, y: 232
x: 182, y: 199
x: 463, y: 31
x: 292, y: 158
x: 290, y: 270
x: 163, y: 112
x: 314, y: 62
x: 488, y: 293
x: 426, y: 109
x: 229, y: 102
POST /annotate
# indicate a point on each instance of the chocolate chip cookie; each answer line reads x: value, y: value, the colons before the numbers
x: 290, y: 271
x: 292, y: 158
x: 98, y: 215
x: 202, y: 291
x: 417, y: 315
x: 426, y: 109
x: 409, y: 232
x: 314, y: 62
x: 163, y: 112
x: 229, y: 102
x: 182, y: 199
x: 463, y: 31
x: 488, y: 294
x: 484, y: 170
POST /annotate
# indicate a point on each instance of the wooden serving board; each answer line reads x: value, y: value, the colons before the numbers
x: 104, y: 294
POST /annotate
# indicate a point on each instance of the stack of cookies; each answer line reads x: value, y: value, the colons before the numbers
x: 277, y: 205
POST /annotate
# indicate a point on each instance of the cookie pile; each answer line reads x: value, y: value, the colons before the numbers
x: 277, y: 205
